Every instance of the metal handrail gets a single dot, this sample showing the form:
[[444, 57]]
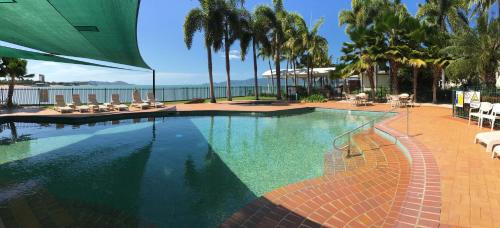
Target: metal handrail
[[350, 132]]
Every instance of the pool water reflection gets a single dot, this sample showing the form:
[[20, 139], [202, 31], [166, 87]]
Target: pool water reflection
[[168, 172]]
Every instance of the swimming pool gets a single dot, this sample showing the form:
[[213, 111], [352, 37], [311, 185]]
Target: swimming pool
[[179, 171]]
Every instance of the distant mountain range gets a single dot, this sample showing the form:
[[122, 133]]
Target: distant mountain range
[[248, 82]]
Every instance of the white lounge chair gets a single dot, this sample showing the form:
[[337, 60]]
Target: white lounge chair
[[351, 99], [496, 151], [116, 104], [77, 102], [484, 108], [61, 105], [491, 139], [137, 101], [362, 99], [153, 103], [95, 105], [492, 117]]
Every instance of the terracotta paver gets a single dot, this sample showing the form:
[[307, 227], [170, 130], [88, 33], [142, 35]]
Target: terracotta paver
[[368, 194]]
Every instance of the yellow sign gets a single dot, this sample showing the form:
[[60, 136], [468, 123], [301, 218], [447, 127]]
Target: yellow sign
[[459, 99]]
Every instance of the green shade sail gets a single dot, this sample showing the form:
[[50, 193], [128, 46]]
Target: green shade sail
[[95, 29], [22, 54]]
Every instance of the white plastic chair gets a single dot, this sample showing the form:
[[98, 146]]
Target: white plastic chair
[[484, 109], [492, 117]]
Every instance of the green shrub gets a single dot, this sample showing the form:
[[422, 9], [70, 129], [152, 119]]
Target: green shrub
[[315, 98]]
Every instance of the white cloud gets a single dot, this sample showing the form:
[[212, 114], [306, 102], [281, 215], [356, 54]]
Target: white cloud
[[233, 55]]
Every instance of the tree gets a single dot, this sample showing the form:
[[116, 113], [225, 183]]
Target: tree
[[295, 33], [12, 68], [395, 24], [476, 51], [482, 6], [416, 62], [206, 18], [231, 27], [272, 20], [315, 45], [444, 14], [252, 32]]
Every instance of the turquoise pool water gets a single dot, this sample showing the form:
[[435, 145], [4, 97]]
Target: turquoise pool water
[[169, 172]]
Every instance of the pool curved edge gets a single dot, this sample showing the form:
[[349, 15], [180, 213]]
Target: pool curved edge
[[416, 204], [163, 112], [423, 199]]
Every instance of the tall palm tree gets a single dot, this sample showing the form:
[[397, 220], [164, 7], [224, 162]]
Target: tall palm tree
[[477, 52], [295, 33], [416, 62], [272, 18], [395, 24], [13, 68], [231, 27], [252, 32], [315, 45], [206, 18]]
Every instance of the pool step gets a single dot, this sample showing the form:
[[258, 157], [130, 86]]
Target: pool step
[[22, 213], [39, 210], [337, 162]]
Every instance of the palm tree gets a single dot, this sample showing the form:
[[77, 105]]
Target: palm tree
[[272, 20], [295, 33], [482, 6], [315, 45], [395, 24], [231, 27], [252, 32], [206, 18], [416, 62], [13, 68], [476, 52], [444, 14], [437, 60]]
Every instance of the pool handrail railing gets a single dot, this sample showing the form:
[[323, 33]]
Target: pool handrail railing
[[350, 133]]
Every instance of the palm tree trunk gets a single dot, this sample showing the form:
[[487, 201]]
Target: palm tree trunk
[[394, 77], [435, 78], [278, 68], [272, 75], [286, 78], [295, 74], [369, 72], [228, 64], [210, 76], [256, 80], [308, 81], [415, 82], [10, 93]]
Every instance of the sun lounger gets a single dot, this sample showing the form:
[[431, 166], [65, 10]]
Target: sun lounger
[[137, 101], [496, 151], [116, 104], [61, 105], [491, 139], [484, 108], [153, 103], [78, 104], [492, 117], [95, 105]]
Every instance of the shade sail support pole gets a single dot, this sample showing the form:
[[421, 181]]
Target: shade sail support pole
[[154, 83]]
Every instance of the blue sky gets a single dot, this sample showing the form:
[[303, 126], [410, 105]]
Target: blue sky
[[160, 38]]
